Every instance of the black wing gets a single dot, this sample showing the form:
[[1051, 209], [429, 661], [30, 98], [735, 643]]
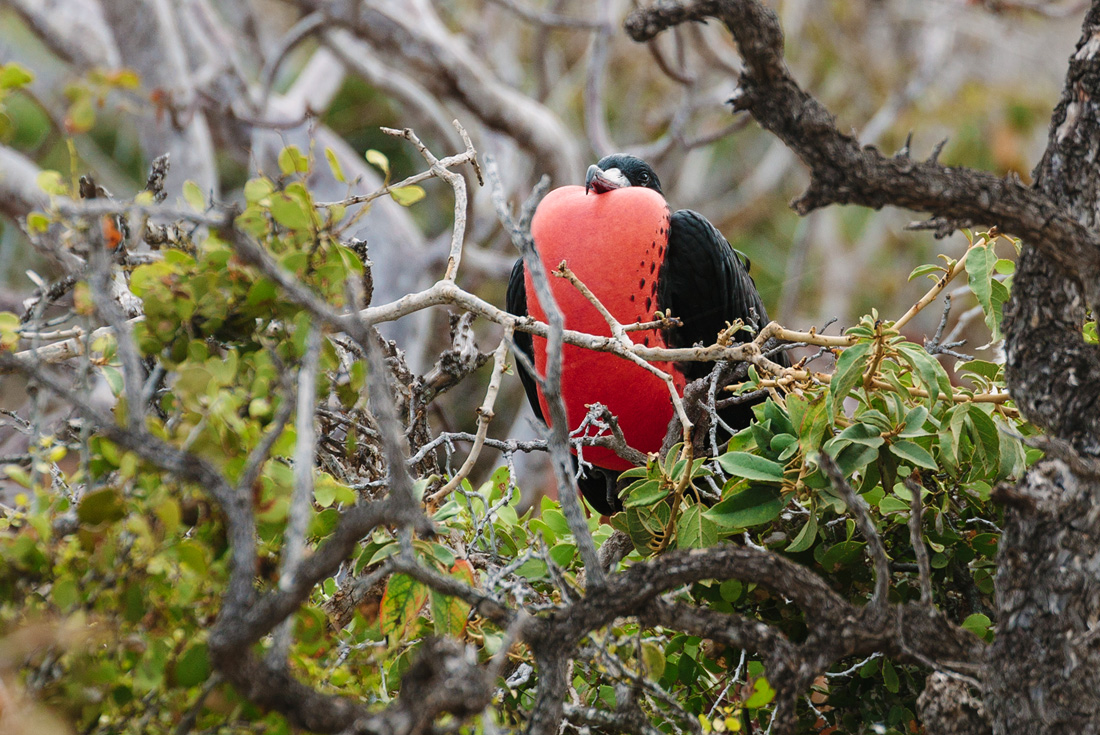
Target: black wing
[[706, 284], [516, 303]]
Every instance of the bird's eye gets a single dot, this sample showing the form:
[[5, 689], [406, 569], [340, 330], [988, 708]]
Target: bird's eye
[[643, 177]]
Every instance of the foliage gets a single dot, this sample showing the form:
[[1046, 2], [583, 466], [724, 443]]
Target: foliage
[[142, 557]]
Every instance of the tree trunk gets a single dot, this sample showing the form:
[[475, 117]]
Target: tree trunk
[[1044, 667]]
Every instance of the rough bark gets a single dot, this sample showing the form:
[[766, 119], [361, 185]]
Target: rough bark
[[1045, 663]]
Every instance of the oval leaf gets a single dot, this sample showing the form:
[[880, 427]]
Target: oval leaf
[[753, 506], [913, 453], [751, 467]]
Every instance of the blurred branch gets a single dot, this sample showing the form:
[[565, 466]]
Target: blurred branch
[[75, 30], [19, 190], [484, 416], [550, 20], [416, 39]]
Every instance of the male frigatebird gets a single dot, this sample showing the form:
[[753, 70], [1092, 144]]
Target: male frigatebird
[[618, 235]]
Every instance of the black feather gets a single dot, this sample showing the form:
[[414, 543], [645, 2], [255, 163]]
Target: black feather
[[515, 301], [707, 285]]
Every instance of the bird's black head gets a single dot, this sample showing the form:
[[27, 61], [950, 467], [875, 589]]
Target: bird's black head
[[619, 170]]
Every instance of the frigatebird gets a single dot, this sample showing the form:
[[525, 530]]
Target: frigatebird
[[619, 236]]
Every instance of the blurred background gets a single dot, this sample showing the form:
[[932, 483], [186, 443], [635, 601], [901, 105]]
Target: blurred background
[[545, 87]]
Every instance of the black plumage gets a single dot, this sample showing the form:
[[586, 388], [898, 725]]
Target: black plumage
[[702, 280], [515, 301]]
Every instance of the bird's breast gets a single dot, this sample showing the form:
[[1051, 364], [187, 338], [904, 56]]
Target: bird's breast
[[615, 243]]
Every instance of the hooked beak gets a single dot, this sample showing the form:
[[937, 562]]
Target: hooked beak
[[602, 181]]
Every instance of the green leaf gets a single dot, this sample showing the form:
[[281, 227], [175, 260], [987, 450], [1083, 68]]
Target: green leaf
[[998, 296], [977, 624], [841, 555], [931, 373], [848, 373], [914, 422], [809, 419], [101, 506], [402, 602], [913, 453], [378, 160], [193, 667], [257, 189], [653, 657], [750, 507], [65, 593], [979, 272], [289, 212], [1012, 456], [987, 441], [762, 694], [9, 330], [643, 526], [694, 530], [930, 269], [81, 115], [193, 195], [192, 555], [731, 590], [51, 182], [324, 494], [563, 554], [854, 457], [292, 161], [751, 467], [449, 614], [891, 504], [864, 434], [806, 537], [334, 165], [645, 492], [889, 676], [38, 222]]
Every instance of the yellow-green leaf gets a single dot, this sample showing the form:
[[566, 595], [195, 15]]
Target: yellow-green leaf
[[289, 212], [378, 160], [193, 195], [762, 694], [13, 76], [407, 196], [334, 164], [101, 506], [51, 182], [257, 189], [81, 115], [401, 605], [292, 161]]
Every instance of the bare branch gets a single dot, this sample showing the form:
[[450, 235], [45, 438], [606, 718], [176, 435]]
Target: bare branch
[[916, 536], [484, 416], [301, 501]]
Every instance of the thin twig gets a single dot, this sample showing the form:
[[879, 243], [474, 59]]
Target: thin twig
[[301, 501], [916, 536], [484, 416]]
